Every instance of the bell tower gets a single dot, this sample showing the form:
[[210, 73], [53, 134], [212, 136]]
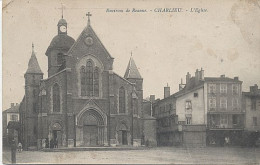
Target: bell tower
[[62, 26], [33, 76], [58, 48], [132, 74]]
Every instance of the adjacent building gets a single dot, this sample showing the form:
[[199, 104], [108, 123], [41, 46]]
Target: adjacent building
[[206, 109], [251, 105], [11, 114], [149, 123], [225, 115], [167, 121]]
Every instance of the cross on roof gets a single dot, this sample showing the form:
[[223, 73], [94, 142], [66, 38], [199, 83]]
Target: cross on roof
[[32, 47], [62, 11], [89, 15], [62, 7]]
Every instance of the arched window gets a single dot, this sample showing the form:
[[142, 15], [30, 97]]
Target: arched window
[[89, 77], [96, 82], [122, 100], [56, 98], [83, 81], [89, 72]]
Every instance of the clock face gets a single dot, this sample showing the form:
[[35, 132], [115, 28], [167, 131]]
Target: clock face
[[89, 41], [63, 29]]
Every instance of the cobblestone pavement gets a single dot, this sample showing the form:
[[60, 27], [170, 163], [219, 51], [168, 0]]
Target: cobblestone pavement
[[160, 155]]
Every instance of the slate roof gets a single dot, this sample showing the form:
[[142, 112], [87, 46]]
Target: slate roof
[[131, 70], [33, 65], [62, 41], [193, 85], [14, 109], [220, 79], [62, 21]]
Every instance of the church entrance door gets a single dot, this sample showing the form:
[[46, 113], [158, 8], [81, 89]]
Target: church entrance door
[[124, 137], [90, 135], [122, 134], [57, 136], [90, 130]]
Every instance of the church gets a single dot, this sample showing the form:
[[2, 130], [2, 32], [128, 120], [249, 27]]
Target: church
[[83, 102]]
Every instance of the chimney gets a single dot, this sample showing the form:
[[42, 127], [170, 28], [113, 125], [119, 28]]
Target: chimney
[[188, 78], [12, 105], [167, 91], [201, 74], [254, 88], [152, 98], [181, 85], [197, 75], [222, 76], [236, 78]]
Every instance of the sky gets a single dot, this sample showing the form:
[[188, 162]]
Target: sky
[[165, 45]]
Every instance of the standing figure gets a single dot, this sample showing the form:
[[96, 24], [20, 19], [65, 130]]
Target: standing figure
[[43, 143], [227, 141], [52, 144], [20, 146], [47, 143], [56, 143]]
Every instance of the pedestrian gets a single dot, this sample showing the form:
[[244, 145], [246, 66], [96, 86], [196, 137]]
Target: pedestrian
[[43, 143], [227, 141], [52, 144], [47, 143], [20, 146], [56, 143]]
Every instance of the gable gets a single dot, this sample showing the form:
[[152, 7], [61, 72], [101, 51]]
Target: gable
[[87, 44]]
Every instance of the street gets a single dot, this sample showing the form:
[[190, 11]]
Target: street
[[160, 155]]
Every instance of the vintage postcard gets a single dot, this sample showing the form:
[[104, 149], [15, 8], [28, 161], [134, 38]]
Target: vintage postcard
[[131, 82]]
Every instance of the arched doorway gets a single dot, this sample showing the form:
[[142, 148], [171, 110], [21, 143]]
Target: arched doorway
[[91, 128], [122, 135], [56, 133], [90, 131]]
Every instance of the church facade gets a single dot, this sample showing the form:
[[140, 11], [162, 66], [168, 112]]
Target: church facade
[[83, 102]]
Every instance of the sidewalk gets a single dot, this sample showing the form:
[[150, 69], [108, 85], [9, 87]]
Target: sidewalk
[[158, 155], [118, 148]]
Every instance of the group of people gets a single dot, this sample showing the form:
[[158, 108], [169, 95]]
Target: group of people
[[53, 143]]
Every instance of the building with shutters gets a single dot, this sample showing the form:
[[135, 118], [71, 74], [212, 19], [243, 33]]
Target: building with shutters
[[204, 110], [251, 105]]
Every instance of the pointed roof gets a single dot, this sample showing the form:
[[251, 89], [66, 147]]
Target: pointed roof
[[88, 31], [131, 70], [33, 65]]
